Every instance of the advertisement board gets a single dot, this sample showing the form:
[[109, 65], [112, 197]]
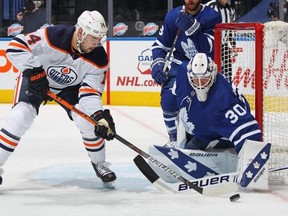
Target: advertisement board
[[129, 81]]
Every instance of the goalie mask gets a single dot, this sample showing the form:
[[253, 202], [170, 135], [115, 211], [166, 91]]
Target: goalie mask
[[93, 23], [201, 71]]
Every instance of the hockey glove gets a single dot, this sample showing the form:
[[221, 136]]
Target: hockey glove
[[187, 23], [38, 84], [106, 127], [157, 72]]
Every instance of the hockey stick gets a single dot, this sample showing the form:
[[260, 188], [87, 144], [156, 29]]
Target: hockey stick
[[211, 191], [218, 184], [170, 53], [278, 169]]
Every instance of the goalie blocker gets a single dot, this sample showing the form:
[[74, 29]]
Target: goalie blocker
[[251, 164]]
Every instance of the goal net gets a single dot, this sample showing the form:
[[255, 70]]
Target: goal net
[[254, 56]]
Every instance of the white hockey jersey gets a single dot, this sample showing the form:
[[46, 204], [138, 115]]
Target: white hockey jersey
[[52, 49]]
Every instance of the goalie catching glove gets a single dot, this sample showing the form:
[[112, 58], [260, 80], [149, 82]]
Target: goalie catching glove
[[106, 127]]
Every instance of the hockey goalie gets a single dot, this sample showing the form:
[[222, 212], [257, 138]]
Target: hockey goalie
[[220, 136]]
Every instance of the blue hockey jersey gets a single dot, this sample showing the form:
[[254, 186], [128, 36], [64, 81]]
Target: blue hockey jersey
[[186, 47], [225, 114]]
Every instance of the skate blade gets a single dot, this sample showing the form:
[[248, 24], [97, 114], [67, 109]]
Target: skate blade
[[109, 185]]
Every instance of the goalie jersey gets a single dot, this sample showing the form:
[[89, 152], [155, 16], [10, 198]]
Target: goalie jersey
[[51, 48], [186, 47], [224, 115]]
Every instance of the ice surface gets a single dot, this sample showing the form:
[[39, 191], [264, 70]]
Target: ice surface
[[50, 174]]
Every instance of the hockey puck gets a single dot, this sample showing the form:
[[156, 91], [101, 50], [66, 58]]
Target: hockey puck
[[235, 197]]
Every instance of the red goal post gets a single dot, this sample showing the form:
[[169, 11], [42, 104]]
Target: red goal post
[[255, 58]]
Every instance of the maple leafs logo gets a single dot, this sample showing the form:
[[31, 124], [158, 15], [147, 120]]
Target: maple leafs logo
[[191, 166], [189, 48], [174, 154], [256, 165], [264, 155], [249, 174], [189, 126]]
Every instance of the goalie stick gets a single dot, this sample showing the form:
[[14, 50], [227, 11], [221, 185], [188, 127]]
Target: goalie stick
[[164, 186], [221, 184], [200, 190]]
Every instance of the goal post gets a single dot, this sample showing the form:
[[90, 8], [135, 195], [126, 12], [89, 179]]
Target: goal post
[[254, 56]]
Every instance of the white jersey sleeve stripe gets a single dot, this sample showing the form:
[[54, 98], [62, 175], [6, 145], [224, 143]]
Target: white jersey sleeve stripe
[[235, 132]]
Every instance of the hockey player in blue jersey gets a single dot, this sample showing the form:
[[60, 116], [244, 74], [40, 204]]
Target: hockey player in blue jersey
[[217, 121], [193, 23], [214, 113]]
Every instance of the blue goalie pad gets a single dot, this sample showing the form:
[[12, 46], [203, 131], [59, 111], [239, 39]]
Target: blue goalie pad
[[194, 164]]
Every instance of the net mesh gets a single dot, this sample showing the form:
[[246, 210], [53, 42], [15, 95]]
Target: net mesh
[[238, 62]]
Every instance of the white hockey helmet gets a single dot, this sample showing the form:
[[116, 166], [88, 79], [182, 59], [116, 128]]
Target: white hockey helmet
[[93, 23], [201, 71]]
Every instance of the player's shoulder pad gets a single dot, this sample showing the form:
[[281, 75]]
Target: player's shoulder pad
[[212, 14], [182, 73], [60, 36], [172, 14], [220, 89], [222, 84], [97, 56]]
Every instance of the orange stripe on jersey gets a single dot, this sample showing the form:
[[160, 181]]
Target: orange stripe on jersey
[[95, 144], [89, 90], [8, 141], [19, 46]]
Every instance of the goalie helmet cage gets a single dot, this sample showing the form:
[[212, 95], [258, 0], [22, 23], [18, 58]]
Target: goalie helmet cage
[[254, 57]]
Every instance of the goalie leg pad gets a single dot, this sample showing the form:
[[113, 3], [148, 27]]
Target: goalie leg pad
[[253, 165], [194, 164]]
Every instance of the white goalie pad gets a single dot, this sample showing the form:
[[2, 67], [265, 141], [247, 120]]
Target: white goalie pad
[[193, 164], [253, 165]]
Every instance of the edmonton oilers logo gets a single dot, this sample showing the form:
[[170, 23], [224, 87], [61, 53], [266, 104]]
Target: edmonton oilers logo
[[62, 75]]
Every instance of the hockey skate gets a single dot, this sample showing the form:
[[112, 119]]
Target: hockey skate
[[103, 172]]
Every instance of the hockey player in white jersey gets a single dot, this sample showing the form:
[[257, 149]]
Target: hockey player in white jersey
[[71, 62], [191, 28]]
